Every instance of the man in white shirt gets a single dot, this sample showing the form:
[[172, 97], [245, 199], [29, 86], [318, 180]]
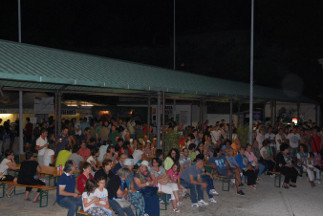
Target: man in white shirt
[[294, 141], [215, 134], [260, 137], [271, 137], [41, 145], [279, 139]]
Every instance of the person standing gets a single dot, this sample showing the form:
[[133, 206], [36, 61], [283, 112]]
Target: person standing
[[294, 141], [62, 140], [41, 146]]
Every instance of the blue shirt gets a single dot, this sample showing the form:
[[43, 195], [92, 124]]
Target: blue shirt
[[68, 182], [220, 163], [232, 161], [190, 171]]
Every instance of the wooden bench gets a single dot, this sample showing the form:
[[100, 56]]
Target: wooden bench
[[277, 182], [225, 181], [43, 191], [82, 212], [163, 196]]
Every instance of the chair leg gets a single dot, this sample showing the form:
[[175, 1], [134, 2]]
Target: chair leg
[[43, 194], [3, 186]]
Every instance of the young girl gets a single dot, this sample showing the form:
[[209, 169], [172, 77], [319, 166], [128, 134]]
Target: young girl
[[90, 201], [102, 193], [174, 174]]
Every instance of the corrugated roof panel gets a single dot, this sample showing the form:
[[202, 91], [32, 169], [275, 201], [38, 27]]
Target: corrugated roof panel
[[23, 62]]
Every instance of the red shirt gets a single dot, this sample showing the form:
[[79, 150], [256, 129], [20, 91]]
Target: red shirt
[[84, 153], [81, 181], [316, 144]]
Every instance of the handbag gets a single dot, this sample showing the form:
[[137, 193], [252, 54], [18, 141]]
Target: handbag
[[122, 202], [164, 179]]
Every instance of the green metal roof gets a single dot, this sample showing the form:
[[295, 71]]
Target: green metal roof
[[29, 66]]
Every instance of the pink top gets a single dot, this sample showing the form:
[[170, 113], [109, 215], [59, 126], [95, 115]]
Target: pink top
[[251, 157], [175, 176]]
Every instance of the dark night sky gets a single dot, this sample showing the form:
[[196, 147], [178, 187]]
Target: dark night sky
[[213, 37]]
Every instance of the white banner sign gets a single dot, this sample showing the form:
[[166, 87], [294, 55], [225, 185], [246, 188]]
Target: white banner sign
[[44, 105]]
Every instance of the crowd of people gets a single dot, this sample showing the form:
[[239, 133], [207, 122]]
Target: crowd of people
[[122, 167]]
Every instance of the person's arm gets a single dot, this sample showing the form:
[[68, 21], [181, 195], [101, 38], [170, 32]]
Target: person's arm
[[301, 161], [12, 165], [193, 181], [94, 200], [141, 185], [38, 147], [38, 169], [62, 192], [52, 159]]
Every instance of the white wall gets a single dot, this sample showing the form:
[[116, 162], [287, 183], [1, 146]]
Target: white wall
[[307, 111]]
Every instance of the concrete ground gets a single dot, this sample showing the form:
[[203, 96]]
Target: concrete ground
[[267, 200]]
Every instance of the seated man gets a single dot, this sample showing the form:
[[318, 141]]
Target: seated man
[[222, 167], [187, 180], [66, 195]]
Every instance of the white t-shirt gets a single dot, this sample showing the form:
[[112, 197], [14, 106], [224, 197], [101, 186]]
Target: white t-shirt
[[89, 199], [270, 137], [102, 195], [278, 137], [215, 135], [4, 167], [48, 156], [260, 139], [102, 151], [41, 142], [78, 129], [293, 139]]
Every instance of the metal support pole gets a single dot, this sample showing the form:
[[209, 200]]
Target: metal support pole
[[230, 119], [174, 41], [174, 111], [239, 113], [274, 120], [317, 116], [272, 112], [298, 107], [148, 117], [251, 73], [163, 127], [158, 118], [59, 112], [21, 141], [56, 113], [201, 111], [19, 22]]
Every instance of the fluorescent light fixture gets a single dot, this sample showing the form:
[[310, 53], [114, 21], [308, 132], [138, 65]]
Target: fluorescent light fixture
[[72, 105], [5, 114], [87, 105]]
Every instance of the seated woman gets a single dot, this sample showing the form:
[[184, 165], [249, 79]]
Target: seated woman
[[8, 163], [164, 182], [305, 162], [145, 184], [267, 156], [111, 155], [105, 170], [247, 169], [253, 160], [285, 166], [93, 160], [82, 179], [134, 197], [172, 157], [117, 188], [27, 173]]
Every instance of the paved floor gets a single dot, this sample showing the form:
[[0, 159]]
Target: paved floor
[[267, 200]]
